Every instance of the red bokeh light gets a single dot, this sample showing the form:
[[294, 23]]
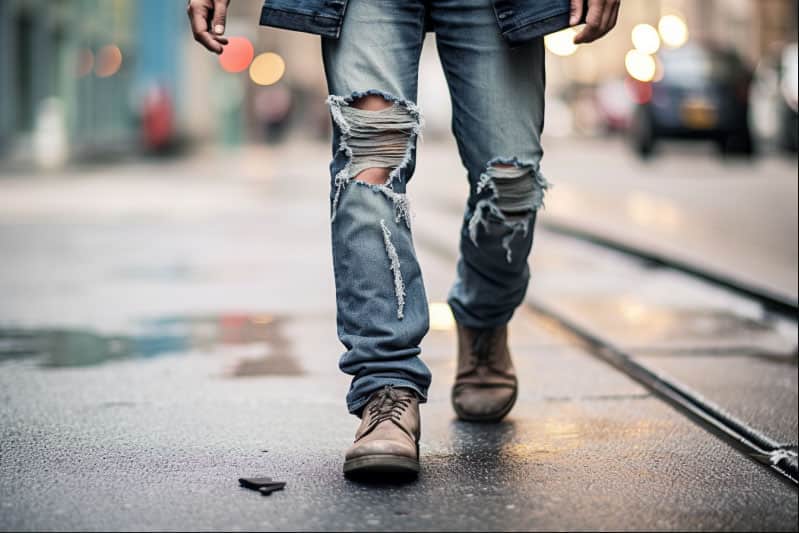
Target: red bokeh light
[[109, 59], [640, 91], [237, 54], [84, 63]]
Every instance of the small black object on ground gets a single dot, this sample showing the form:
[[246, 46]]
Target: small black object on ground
[[264, 485]]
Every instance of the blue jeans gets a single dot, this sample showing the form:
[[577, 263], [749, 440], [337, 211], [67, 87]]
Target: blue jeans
[[498, 112]]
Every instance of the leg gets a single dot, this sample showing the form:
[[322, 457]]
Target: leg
[[498, 110], [497, 96], [382, 308]]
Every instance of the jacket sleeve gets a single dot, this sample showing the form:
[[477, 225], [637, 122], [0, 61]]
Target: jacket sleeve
[[322, 17]]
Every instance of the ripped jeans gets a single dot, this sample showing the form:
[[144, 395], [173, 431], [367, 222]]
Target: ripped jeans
[[497, 97]]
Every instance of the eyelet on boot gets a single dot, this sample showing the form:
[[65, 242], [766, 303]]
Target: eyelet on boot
[[387, 441]]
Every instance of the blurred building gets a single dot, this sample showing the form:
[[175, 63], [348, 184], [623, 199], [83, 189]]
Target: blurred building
[[74, 74], [103, 78], [108, 77], [748, 26]]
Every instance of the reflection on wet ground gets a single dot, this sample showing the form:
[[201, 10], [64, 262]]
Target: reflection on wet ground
[[756, 352], [484, 454], [157, 337], [641, 320], [523, 440], [620, 294]]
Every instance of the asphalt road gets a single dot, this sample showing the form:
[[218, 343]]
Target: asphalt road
[[168, 327]]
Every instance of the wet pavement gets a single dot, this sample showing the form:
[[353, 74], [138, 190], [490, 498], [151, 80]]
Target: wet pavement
[[719, 345], [734, 216], [169, 328]]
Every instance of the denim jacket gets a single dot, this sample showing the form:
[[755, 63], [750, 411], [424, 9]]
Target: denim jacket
[[519, 20]]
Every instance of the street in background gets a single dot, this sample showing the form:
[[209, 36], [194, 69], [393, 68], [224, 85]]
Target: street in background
[[700, 92]]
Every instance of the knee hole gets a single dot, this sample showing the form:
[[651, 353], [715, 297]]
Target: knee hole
[[371, 102], [373, 175]]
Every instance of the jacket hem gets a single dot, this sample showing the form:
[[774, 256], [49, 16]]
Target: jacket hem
[[538, 28], [304, 22]]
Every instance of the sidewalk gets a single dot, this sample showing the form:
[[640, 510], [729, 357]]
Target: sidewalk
[[203, 288], [738, 218]]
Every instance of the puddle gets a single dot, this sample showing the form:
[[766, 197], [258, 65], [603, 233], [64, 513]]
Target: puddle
[[59, 348], [477, 451]]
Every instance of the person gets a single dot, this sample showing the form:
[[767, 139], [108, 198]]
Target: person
[[493, 57]]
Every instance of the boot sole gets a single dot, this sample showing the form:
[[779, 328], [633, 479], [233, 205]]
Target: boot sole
[[381, 464], [489, 418]]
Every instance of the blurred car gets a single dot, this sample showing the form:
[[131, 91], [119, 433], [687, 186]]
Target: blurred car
[[700, 92], [774, 98]]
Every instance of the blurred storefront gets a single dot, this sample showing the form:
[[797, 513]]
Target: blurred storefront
[[65, 72], [104, 78], [88, 77], [109, 77]]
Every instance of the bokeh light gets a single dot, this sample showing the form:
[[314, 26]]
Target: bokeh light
[[441, 318], [109, 60], [561, 43], [659, 71], [640, 66], [267, 68], [646, 38], [237, 54], [673, 30], [84, 63]]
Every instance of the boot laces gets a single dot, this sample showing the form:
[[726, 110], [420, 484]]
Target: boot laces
[[389, 404], [483, 347]]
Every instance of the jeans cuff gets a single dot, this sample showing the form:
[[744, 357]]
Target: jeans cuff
[[356, 406], [468, 320]]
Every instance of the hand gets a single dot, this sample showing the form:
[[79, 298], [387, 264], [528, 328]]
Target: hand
[[207, 18], [601, 18]]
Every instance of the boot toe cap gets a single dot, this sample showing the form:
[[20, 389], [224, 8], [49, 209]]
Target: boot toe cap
[[382, 447], [483, 402]]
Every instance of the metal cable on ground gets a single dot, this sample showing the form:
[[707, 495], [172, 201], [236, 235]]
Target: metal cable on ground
[[770, 300], [780, 458]]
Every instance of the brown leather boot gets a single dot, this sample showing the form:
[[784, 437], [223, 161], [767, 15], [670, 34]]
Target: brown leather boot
[[387, 440], [485, 384]]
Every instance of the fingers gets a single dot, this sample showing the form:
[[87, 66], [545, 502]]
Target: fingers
[[602, 16], [204, 37], [615, 16], [199, 12], [220, 14], [576, 12], [593, 21], [609, 18]]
